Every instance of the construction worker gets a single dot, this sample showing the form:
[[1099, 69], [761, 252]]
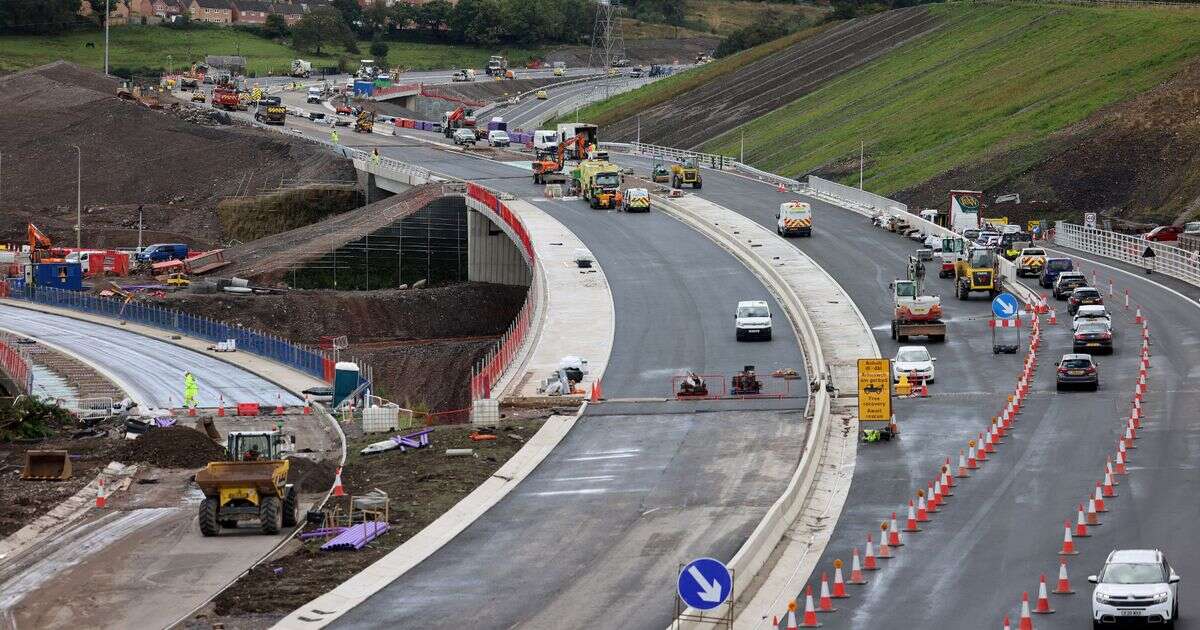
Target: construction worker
[[333, 136], [190, 390], [251, 455], [375, 158]]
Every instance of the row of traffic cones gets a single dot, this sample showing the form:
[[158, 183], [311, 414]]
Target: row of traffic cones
[[1087, 515]]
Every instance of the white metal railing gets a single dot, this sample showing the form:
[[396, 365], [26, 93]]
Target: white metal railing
[[711, 160], [856, 196], [1168, 259]]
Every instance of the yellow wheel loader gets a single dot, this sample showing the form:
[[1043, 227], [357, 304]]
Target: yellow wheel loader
[[250, 486]]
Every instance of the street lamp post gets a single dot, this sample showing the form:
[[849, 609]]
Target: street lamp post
[[78, 197], [107, 15]]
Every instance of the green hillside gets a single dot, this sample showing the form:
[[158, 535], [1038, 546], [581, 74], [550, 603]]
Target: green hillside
[[992, 78]]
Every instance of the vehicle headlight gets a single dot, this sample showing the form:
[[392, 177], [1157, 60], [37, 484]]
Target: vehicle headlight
[[1161, 597], [1101, 598]]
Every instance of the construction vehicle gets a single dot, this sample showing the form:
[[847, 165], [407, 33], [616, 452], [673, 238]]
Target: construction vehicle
[[364, 122], [46, 466], [548, 169], [464, 75], [599, 182], [497, 65], [301, 69], [198, 96], [953, 250], [692, 386], [460, 118], [225, 98], [979, 270], [916, 314], [41, 248], [636, 200], [250, 486], [572, 131], [271, 111], [659, 173], [746, 383], [1030, 261], [685, 171], [794, 218]]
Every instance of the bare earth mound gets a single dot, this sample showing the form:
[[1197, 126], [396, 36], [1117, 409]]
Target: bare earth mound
[[130, 155]]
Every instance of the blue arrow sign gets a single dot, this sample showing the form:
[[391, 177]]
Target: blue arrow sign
[[1005, 306], [704, 583]]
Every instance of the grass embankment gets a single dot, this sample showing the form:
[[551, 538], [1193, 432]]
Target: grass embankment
[[992, 78], [620, 106], [145, 49]]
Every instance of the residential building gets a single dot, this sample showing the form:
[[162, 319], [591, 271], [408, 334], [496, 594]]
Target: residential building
[[251, 11], [215, 11], [168, 8], [291, 12]]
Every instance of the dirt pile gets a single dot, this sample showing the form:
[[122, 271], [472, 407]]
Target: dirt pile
[[310, 476], [24, 501], [131, 155], [703, 113], [1136, 161], [171, 447]]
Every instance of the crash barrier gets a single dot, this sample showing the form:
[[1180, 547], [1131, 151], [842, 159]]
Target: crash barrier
[[1168, 259], [488, 371], [856, 196], [306, 359], [711, 160], [14, 361], [94, 408]]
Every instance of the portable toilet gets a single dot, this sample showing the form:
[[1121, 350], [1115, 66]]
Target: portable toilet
[[59, 275], [345, 380]]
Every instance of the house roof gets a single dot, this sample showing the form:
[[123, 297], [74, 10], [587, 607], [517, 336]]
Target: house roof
[[213, 4], [286, 9], [252, 5]]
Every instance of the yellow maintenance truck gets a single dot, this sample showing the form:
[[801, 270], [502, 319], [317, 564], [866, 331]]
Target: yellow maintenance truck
[[686, 171], [252, 485], [979, 270], [599, 182]]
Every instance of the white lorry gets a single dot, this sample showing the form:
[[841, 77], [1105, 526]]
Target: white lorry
[[568, 131], [301, 69]]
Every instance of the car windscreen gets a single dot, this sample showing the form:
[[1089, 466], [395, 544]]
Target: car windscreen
[[1034, 252], [1076, 364], [1130, 573], [753, 311], [1092, 329], [608, 180], [1058, 264], [982, 258], [1086, 293], [912, 356]]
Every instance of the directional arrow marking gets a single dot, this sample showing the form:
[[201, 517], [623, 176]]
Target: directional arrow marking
[[1006, 308], [709, 592]]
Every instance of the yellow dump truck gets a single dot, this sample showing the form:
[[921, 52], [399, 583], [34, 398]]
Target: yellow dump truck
[[599, 182], [978, 271], [687, 172], [250, 486]]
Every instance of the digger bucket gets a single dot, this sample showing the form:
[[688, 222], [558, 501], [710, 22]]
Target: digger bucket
[[46, 466], [210, 428]]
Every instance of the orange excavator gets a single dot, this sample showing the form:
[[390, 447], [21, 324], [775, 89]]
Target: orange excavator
[[549, 171], [41, 248]]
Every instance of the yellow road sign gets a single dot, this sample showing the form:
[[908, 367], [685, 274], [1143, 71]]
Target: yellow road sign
[[1033, 224], [997, 221], [874, 390]]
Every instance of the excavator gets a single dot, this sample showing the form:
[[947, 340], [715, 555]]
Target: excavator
[[41, 248], [549, 171]]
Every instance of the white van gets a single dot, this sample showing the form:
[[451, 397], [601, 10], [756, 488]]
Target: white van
[[497, 138], [314, 95], [752, 320], [794, 219], [545, 142]]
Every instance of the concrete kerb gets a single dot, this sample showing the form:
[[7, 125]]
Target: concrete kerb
[[328, 607], [747, 245]]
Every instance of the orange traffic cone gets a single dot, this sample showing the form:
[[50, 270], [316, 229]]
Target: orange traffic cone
[[338, 490], [1099, 499], [1007, 623], [825, 604], [963, 471], [894, 533], [885, 548], [101, 495], [1053, 317], [791, 616], [1081, 530], [911, 524], [947, 479], [1137, 319], [869, 563], [220, 406], [307, 404], [1093, 519], [192, 410], [278, 404], [972, 460], [1026, 620], [1064, 585], [1108, 486], [1120, 467], [1043, 601], [922, 508], [810, 613], [839, 583], [856, 572], [1068, 545], [782, 189]]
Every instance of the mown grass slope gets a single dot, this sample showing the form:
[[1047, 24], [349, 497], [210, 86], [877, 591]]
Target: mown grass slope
[[146, 48], [992, 78]]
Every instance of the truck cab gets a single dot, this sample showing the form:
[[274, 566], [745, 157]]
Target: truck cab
[[752, 320], [953, 249], [545, 142], [599, 182], [794, 218]]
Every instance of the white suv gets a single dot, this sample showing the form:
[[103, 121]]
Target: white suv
[[497, 138], [1138, 584], [752, 320]]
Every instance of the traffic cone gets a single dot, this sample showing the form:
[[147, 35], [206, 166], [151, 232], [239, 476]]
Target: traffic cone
[[856, 571], [791, 616], [1093, 518], [810, 612], [1064, 585], [910, 525], [1068, 546], [885, 550], [1108, 466], [935, 496], [839, 583], [1007, 623], [1120, 468], [1081, 530], [1098, 497], [894, 533], [825, 603], [278, 404], [192, 410], [924, 390], [997, 431], [922, 507], [947, 481], [220, 406], [338, 490], [1108, 486], [1120, 449], [972, 460], [1129, 437], [869, 563], [782, 189], [963, 471], [986, 440], [1137, 318], [1043, 601], [307, 404], [1053, 317], [1026, 622], [101, 495]]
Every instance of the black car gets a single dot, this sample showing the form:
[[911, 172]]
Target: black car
[[1093, 337], [1067, 282], [1083, 296], [1076, 370]]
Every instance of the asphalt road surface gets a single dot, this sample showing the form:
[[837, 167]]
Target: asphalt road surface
[[150, 370]]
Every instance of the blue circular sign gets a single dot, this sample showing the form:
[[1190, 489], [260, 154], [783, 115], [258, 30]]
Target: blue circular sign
[[1006, 306], [705, 583]]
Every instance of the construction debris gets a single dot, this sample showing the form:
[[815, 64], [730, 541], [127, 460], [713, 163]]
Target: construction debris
[[171, 447]]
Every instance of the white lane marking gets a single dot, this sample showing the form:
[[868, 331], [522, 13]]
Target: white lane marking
[[551, 493], [592, 478], [1128, 273], [598, 457]]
